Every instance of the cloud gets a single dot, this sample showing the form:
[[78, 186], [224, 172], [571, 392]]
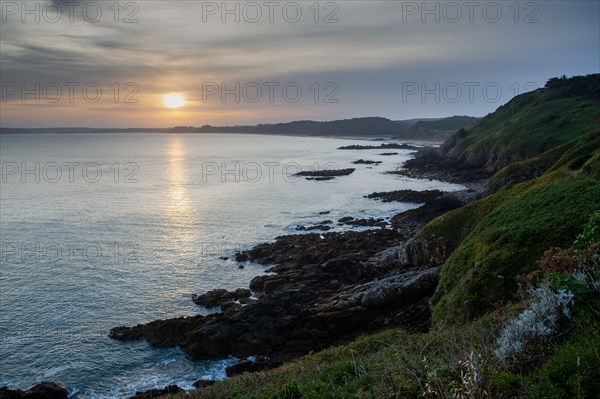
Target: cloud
[[372, 49]]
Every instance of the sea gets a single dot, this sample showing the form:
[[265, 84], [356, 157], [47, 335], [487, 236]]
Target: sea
[[105, 230]]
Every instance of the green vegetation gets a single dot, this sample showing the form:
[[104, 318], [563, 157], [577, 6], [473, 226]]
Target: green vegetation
[[517, 311], [483, 272], [530, 125]]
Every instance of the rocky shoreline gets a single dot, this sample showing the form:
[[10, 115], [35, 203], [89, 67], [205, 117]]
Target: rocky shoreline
[[324, 288]]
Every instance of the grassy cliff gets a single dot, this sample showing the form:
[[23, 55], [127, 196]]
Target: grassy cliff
[[530, 125]]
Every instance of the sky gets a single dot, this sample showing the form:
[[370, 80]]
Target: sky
[[111, 63]]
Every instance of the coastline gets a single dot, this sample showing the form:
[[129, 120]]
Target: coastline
[[327, 298], [322, 289]]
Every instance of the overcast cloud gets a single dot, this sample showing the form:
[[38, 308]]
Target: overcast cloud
[[368, 61]]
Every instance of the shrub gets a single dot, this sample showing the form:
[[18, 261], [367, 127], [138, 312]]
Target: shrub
[[535, 324]]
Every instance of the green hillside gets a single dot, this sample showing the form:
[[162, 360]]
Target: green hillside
[[530, 124]]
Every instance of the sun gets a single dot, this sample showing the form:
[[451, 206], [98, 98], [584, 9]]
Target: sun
[[173, 100]]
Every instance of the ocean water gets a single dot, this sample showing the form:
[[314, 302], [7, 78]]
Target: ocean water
[[102, 230]]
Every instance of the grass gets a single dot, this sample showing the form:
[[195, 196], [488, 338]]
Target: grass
[[483, 273], [527, 126], [390, 364]]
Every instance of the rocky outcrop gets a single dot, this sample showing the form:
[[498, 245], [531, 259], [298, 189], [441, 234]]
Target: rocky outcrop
[[43, 390], [395, 146], [412, 220], [295, 311], [431, 163], [406, 195], [322, 226], [419, 252], [366, 162], [409, 286], [371, 222], [160, 333], [326, 172]]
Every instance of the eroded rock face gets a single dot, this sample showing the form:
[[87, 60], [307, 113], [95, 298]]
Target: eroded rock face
[[425, 253], [401, 288], [43, 390]]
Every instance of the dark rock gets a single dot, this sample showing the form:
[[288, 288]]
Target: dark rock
[[248, 301], [292, 317], [400, 146], [406, 195], [320, 227], [249, 366], [426, 253], [410, 221], [219, 296], [160, 333], [365, 222], [431, 163], [325, 213], [231, 307], [43, 390], [326, 172], [322, 178], [366, 162], [241, 257], [258, 283], [388, 153], [156, 393]]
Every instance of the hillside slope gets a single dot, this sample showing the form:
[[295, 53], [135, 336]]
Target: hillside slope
[[530, 124]]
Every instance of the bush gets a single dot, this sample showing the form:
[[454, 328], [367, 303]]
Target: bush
[[536, 324]]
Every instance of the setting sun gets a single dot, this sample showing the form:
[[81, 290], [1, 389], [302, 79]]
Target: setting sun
[[173, 100]]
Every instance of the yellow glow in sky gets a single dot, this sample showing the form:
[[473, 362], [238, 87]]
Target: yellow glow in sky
[[173, 100]]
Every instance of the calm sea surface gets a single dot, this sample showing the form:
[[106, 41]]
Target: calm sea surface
[[102, 230]]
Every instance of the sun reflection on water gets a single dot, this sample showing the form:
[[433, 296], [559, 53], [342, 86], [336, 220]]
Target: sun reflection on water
[[181, 212]]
